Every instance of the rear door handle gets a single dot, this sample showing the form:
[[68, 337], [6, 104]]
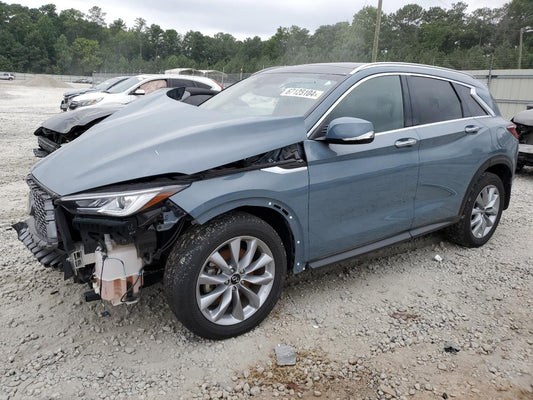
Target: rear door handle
[[405, 142], [472, 129]]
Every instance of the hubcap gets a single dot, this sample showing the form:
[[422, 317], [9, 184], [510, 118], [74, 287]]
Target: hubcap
[[485, 211], [235, 281]]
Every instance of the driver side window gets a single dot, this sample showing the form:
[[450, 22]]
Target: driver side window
[[378, 100]]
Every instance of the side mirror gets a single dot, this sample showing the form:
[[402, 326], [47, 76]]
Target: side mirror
[[139, 92], [348, 130]]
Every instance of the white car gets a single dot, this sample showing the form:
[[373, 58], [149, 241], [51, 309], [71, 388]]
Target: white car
[[129, 90], [7, 76]]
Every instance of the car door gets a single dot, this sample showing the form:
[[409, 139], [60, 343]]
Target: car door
[[453, 143], [360, 193]]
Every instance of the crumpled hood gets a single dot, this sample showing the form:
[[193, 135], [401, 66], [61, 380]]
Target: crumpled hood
[[64, 122], [158, 135]]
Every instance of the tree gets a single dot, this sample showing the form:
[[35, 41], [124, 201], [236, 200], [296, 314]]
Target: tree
[[87, 54], [96, 15], [63, 54], [117, 26], [155, 37]]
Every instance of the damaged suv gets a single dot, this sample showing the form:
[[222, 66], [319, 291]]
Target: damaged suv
[[293, 168]]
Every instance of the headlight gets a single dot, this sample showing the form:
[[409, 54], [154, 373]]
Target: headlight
[[83, 103], [119, 204]]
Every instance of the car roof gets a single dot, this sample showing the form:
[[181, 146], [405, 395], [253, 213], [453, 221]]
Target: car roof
[[204, 79], [349, 68]]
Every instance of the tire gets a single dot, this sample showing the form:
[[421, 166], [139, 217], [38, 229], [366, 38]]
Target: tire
[[204, 293], [481, 213]]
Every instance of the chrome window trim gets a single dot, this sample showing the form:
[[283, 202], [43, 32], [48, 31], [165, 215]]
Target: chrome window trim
[[480, 101], [359, 68], [473, 93], [431, 124]]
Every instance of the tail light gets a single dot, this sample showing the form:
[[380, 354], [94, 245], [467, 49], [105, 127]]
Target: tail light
[[512, 130], [219, 84]]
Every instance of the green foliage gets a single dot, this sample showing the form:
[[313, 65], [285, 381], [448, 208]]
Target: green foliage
[[87, 55], [43, 40], [63, 54]]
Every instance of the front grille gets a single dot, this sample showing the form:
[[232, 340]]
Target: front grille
[[42, 210]]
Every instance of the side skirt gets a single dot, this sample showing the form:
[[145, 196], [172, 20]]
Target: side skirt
[[367, 248]]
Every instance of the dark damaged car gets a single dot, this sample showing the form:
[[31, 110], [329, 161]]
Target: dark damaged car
[[524, 127], [63, 128], [293, 168]]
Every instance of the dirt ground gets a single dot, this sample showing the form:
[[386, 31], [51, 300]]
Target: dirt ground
[[371, 328]]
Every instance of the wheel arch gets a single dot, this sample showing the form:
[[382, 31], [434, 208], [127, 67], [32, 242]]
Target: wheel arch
[[278, 216], [500, 166], [506, 175]]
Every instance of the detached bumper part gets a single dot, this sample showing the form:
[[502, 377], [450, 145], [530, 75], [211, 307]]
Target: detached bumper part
[[47, 144], [48, 256]]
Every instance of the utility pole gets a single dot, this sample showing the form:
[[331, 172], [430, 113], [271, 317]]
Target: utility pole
[[522, 30], [376, 33]]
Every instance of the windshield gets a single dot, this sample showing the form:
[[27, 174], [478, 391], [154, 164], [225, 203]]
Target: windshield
[[108, 83], [124, 85], [274, 94]]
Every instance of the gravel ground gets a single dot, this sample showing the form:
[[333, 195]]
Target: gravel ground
[[371, 328]]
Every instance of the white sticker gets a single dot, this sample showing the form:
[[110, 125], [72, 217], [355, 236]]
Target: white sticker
[[302, 92]]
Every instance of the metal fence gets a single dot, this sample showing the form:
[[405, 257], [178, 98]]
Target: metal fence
[[22, 76]]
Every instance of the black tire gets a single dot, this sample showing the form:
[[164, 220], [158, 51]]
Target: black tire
[[462, 232], [189, 258]]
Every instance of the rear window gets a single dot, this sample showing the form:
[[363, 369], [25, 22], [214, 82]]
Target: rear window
[[181, 83], [471, 107], [433, 100], [202, 85]]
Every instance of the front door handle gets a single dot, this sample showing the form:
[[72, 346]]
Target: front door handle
[[472, 129], [405, 142]]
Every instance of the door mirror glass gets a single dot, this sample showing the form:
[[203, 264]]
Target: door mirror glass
[[348, 130]]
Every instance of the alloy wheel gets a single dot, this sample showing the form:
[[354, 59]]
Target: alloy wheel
[[235, 281]]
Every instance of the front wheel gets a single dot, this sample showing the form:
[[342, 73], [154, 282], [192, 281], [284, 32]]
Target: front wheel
[[481, 214], [223, 278]]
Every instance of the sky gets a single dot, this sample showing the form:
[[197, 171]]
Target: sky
[[242, 18]]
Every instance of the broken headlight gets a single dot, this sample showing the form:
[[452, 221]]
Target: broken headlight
[[118, 204]]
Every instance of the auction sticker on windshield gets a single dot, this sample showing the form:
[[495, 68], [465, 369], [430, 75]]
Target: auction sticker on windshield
[[301, 92]]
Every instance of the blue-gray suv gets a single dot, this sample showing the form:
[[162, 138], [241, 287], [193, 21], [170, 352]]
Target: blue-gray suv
[[293, 168]]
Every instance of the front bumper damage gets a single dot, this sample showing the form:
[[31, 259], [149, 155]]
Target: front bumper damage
[[48, 256], [115, 256]]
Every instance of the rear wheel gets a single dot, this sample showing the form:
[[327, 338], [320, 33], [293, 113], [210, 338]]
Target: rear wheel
[[223, 278], [481, 214]]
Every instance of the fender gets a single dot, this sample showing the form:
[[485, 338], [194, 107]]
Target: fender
[[287, 196], [281, 209]]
